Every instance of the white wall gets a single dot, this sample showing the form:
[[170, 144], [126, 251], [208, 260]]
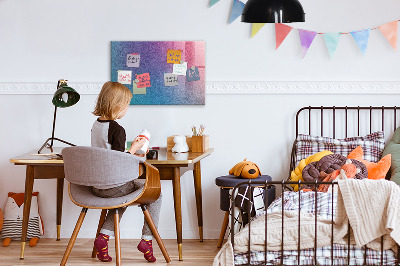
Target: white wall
[[42, 41]]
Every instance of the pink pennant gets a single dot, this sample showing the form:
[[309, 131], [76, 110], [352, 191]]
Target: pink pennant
[[306, 39], [281, 31], [389, 30]]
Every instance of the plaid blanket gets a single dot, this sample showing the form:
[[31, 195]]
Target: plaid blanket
[[323, 205]]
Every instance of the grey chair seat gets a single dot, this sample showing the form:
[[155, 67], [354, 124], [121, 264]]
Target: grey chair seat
[[83, 196]]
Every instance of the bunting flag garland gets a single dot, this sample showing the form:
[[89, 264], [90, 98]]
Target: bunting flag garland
[[281, 31], [332, 41], [361, 37], [389, 30], [237, 9], [306, 39], [213, 2], [256, 27]]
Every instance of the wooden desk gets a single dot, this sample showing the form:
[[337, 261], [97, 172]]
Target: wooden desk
[[168, 164]]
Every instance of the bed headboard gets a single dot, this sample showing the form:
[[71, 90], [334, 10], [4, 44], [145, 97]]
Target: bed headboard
[[344, 121]]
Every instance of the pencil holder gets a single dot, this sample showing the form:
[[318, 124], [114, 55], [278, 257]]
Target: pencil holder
[[200, 143]]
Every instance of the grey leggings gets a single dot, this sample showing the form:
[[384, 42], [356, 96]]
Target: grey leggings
[[154, 208]]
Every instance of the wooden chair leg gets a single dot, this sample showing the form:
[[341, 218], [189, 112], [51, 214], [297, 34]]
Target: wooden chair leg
[[101, 222], [223, 229], [154, 230], [117, 238], [73, 237]]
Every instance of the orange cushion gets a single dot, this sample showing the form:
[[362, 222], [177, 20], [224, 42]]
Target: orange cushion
[[375, 170]]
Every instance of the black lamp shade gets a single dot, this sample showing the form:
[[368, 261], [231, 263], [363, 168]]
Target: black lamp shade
[[273, 11], [65, 96]]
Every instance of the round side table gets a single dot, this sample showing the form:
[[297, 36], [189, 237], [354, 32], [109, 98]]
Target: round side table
[[228, 182]]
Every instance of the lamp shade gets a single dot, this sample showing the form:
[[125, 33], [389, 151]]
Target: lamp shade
[[65, 96], [273, 11]]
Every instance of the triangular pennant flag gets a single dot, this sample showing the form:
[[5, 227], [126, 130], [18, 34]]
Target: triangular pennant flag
[[306, 39], [332, 41], [256, 27], [213, 2], [389, 30], [237, 9], [281, 31], [361, 37]]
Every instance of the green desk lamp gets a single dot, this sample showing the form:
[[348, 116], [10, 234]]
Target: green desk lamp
[[65, 96]]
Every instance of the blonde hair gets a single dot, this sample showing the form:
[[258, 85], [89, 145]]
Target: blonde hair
[[112, 99]]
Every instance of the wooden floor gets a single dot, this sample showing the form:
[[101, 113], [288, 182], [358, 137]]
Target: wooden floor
[[50, 252]]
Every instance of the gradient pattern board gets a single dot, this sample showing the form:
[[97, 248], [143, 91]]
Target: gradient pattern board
[[161, 73]]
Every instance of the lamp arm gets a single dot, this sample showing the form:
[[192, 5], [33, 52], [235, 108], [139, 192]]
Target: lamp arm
[[54, 126]]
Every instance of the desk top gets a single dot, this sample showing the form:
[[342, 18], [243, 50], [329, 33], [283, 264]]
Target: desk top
[[164, 157]]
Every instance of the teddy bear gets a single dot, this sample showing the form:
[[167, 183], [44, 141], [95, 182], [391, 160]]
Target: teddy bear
[[245, 169], [180, 144], [13, 215]]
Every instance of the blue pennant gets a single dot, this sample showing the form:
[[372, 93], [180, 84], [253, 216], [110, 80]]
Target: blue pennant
[[361, 38], [237, 9]]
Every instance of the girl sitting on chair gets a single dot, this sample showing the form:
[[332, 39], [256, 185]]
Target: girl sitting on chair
[[112, 104]]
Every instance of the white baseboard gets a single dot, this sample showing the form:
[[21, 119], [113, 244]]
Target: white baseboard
[[136, 233]]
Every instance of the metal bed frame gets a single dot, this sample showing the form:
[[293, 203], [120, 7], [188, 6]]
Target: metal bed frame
[[283, 184]]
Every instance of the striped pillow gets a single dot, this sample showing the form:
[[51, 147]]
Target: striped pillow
[[372, 145]]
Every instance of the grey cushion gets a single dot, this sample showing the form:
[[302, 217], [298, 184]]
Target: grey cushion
[[83, 195], [393, 148], [99, 167]]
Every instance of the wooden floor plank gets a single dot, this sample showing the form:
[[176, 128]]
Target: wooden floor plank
[[49, 252]]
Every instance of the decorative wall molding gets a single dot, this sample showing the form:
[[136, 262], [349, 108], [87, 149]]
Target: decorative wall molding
[[233, 87]]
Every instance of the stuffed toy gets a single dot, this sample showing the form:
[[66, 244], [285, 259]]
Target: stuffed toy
[[13, 215], [245, 169], [296, 174], [375, 170], [180, 144]]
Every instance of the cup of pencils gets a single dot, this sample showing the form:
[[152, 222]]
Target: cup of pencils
[[199, 140]]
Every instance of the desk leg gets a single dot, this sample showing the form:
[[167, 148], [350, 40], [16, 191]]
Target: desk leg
[[60, 190], [176, 182], [27, 206], [199, 204]]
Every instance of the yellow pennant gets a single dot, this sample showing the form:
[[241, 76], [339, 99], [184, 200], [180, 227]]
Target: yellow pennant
[[256, 27]]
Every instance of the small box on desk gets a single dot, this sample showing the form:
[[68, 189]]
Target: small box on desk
[[200, 143]]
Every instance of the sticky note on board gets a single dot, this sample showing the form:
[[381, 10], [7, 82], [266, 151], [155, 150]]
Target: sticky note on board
[[192, 74], [144, 80], [170, 79], [125, 76], [133, 60], [174, 56], [136, 90], [180, 69]]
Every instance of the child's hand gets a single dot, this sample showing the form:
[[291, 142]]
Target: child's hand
[[137, 144], [142, 155]]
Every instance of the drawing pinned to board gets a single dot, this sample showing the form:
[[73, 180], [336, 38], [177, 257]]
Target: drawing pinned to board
[[192, 74], [154, 62], [180, 69], [133, 60], [170, 79], [124, 76], [143, 80], [174, 56]]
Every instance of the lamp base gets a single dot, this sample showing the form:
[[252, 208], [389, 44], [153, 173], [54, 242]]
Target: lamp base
[[50, 146]]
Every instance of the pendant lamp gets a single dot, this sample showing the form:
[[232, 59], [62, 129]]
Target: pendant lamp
[[272, 11], [64, 96]]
